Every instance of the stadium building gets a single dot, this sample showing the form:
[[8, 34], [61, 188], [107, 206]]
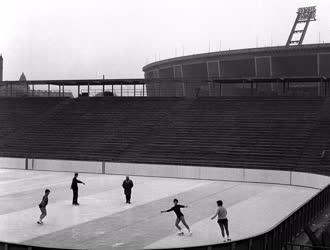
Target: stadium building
[[196, 71], [196, 75]]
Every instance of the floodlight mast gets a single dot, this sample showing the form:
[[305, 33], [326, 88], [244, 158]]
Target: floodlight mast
[[304, 15]]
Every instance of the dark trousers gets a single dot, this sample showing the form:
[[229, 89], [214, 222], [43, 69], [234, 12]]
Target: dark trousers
[[223, 223], [75, 196], [128, 196]]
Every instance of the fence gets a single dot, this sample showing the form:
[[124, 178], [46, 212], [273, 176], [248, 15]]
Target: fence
[[171, 87]]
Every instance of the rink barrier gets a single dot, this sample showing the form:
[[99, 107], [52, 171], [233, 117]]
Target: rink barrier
[[274, 239], [172, 171]]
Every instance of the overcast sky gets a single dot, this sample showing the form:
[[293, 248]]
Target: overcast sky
[[74, 39]]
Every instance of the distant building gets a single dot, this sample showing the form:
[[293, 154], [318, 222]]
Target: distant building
[[22, 77]]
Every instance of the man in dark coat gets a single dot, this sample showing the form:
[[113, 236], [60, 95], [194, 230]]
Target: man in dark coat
[[74, 187], [128, 185]]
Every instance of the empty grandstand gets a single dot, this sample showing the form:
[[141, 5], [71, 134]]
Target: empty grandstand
[[286, 133]]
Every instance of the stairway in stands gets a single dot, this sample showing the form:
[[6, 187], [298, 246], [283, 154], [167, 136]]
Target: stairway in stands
[[319, 141], [250, 132], [245, 132], [89, 129], [17, 114]]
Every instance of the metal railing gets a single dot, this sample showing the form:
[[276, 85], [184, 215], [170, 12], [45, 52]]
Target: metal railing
[[293, 246]]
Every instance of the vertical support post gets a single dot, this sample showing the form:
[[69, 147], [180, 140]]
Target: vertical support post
[[318, 64], [78, 90], [88, 89], [210, 91], [183, 89], [143, 86], [103, 89], [27, 89], [112, 89], [59, 90], [32, 89], [103, 167], [48, 92], [121, 89], [26, 163], [11, 90], [63, 89]]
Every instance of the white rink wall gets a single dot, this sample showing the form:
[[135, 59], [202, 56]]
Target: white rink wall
[[67, 166], [15, 163], [171, 171]]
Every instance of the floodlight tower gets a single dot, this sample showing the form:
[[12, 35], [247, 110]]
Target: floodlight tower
[[304, 16]]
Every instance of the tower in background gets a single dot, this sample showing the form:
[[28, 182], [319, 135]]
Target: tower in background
[[298, 31], [1, 68]]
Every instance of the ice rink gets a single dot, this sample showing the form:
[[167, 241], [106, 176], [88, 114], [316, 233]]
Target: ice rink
[[104, 221]]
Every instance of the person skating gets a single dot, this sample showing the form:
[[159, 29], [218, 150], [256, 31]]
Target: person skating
[[128, 185], [42, 206], [222, 220], [74, 187], [179, 216]]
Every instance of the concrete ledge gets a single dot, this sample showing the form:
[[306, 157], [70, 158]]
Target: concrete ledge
[[15, 163], [267, 176], [310, 180], [142, 169], [225, 174], [172, 171], [67, 166]]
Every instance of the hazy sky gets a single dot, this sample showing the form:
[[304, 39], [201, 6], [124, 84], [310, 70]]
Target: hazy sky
[[73, 39]]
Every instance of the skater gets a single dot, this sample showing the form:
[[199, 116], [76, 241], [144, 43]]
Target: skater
[[128, 185], [222, 220], [74, 187], [42, 206], [180, 217]]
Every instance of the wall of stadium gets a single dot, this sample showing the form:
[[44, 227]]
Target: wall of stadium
[[194, 70]]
